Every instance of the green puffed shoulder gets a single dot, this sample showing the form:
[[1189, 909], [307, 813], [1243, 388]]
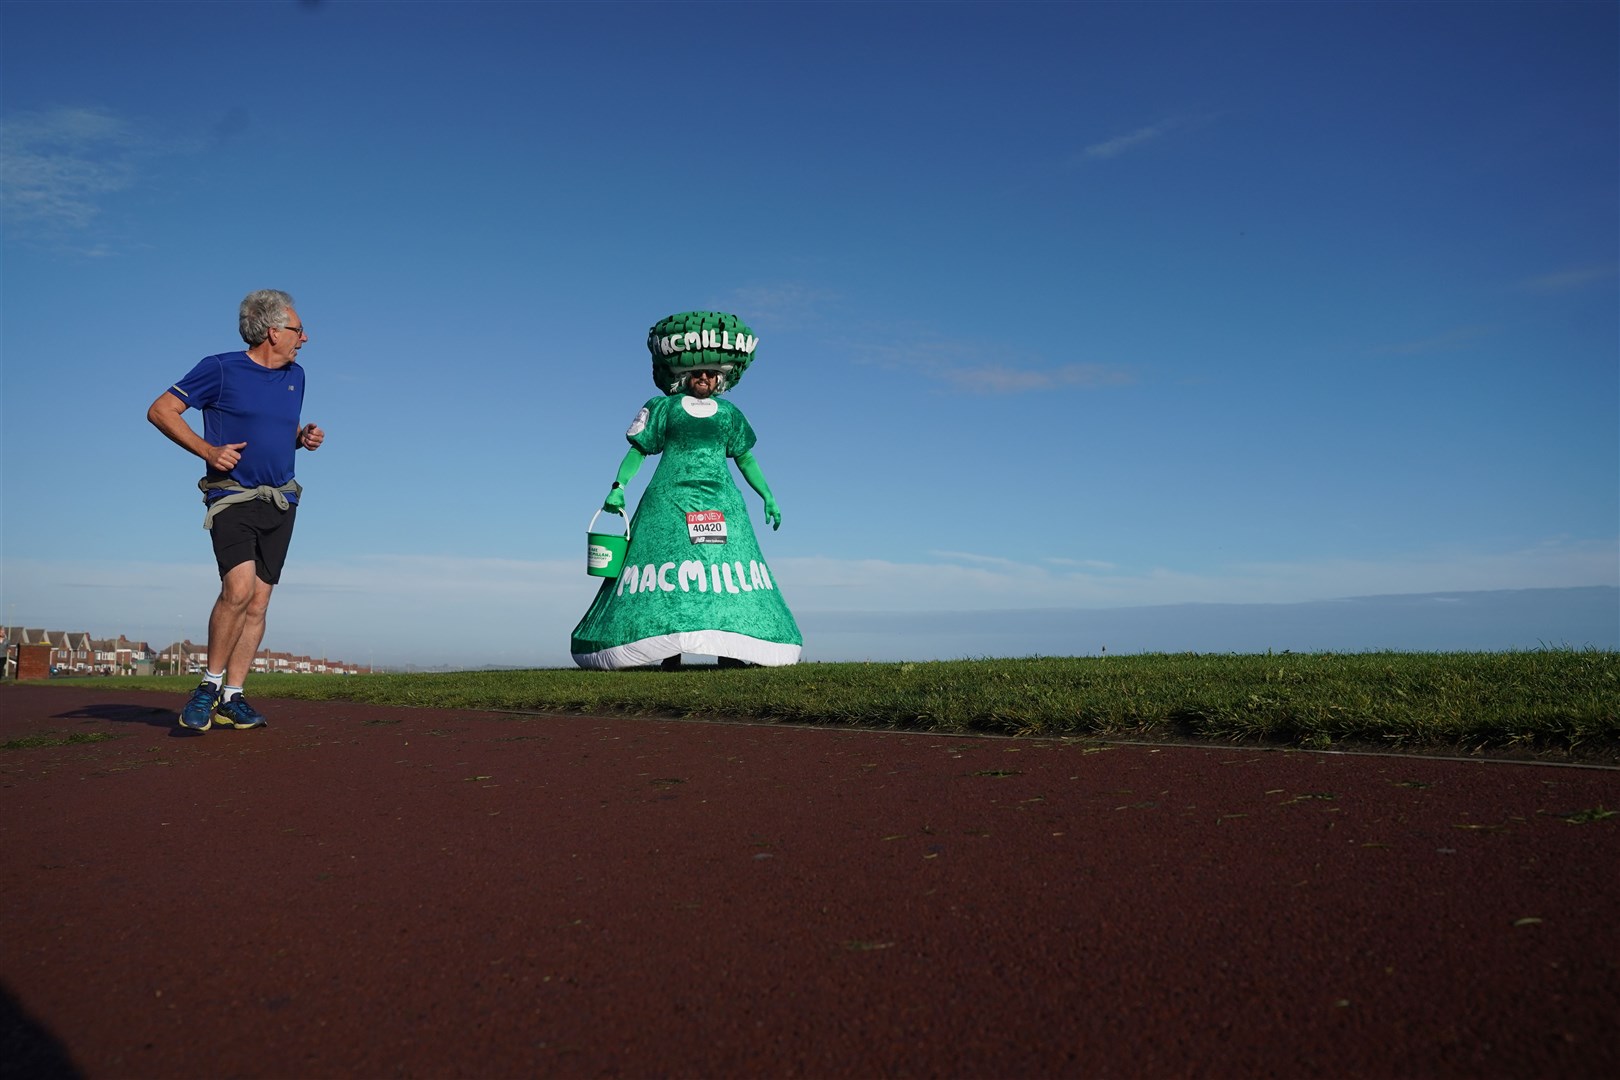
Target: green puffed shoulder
[[699, 339]]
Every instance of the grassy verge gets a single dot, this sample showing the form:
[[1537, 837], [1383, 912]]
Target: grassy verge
[[1548, 703]]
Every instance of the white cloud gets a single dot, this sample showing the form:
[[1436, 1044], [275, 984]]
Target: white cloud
[[1131, 141], [983, 367], [1085, 564], [785, 306], [1569, 280], [1118, 145], [59, 165], [999, 379], [1462, 337]]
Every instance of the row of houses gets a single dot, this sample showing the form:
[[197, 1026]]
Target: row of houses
[[73, 653]]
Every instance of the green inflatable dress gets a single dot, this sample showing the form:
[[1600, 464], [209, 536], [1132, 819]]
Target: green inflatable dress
[[694, 578]]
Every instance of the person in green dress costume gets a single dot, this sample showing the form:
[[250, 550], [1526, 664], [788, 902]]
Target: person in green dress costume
[[694, 578]]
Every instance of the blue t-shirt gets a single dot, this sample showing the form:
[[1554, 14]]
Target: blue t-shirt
[[246, 402]]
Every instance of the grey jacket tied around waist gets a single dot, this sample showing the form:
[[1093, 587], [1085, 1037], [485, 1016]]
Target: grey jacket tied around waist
[[240, 494]]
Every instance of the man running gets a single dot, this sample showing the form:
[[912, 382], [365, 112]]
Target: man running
[[251, 403]]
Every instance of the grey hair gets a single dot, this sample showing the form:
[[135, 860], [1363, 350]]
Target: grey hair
[[262, 310]]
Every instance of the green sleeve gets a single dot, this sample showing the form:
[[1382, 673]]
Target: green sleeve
[[749, 467], [627, 469], [647, 430], [629, 466]]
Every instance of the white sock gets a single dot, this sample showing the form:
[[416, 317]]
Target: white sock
[[216, 681], [231, 692]]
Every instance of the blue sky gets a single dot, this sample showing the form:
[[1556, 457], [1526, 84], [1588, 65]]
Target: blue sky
[[1060, 306]]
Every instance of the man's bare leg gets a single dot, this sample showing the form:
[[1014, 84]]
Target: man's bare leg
[[236, 626]]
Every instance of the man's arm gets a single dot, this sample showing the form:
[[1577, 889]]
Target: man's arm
[[165, 415]]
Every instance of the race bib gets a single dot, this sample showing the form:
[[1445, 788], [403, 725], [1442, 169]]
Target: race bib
[[706, 527]]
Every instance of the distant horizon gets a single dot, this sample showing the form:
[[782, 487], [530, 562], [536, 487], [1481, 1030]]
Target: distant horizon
[[1483, 620]]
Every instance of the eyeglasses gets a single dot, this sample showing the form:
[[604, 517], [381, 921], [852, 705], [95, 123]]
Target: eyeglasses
[[299, 330]]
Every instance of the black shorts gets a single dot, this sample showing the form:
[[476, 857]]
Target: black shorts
[[255, 532]]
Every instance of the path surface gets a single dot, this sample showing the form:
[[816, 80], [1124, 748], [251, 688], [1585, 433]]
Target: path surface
[[378, 892]]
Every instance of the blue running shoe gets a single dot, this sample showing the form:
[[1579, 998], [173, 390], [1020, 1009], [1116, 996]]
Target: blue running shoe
[[237, 713], [199, 710]]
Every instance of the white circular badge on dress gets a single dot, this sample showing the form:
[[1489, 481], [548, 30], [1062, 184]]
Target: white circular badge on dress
[[700, 407]]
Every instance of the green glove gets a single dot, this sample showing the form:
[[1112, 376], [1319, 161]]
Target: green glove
[[615, 500]]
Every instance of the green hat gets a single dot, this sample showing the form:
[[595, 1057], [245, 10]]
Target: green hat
[[700, 340]]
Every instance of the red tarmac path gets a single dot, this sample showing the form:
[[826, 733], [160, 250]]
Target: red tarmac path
[[360, 891]]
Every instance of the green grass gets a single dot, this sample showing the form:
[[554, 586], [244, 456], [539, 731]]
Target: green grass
[[35, 742], [1553, 702]]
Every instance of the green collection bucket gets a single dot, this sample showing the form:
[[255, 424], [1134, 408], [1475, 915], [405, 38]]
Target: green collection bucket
[[604, 552]]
